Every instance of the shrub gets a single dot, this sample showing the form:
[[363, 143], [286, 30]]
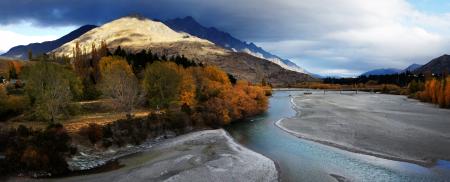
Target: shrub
[[35, 151], [93, 132], [11, 105]]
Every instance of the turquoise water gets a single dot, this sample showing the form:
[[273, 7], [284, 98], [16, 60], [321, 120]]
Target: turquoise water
[[302, 160]]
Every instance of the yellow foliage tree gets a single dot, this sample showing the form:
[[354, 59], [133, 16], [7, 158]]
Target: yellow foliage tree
[[119, 83]]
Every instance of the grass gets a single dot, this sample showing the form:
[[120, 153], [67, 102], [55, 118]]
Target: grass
[[100, 116], [74, 124]]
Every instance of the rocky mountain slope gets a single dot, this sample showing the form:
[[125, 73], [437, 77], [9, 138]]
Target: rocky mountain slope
[[437, 66], [134, 34], [227, 41], [21, 51]]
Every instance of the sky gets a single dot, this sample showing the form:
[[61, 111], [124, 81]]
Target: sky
[[327, 37]]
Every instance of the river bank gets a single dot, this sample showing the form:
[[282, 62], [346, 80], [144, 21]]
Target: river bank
[[386, 126], [210, 155]]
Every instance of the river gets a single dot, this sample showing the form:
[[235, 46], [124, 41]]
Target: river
[[303, 160]]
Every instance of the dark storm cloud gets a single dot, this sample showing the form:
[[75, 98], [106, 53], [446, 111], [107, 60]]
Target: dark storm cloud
[[325, 36], [251, 19]]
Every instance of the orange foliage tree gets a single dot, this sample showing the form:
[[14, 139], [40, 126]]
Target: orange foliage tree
[[220, 102], [436, 91]]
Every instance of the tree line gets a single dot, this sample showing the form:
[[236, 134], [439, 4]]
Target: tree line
[[433, 90], [400, 79]]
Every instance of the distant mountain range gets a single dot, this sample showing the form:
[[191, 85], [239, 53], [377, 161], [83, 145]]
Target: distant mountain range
[[134, 34], [438, 65], [21, 51], [383, 71], [390, 71], [227, 41]]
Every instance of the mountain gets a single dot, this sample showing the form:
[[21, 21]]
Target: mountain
[[412, 68], [21, 51], [437, 66], [227, 41], [134, 34], [383, 71]]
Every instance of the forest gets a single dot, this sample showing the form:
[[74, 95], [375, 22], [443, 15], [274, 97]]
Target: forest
[[41, 98]]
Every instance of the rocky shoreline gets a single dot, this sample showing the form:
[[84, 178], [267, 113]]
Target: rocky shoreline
[[209, 155], [88, 158]]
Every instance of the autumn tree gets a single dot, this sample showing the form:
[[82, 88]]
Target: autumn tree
[[162, 83], [14, 69], [86, 67], [221, 102], [119, 83], [251, 100], [80, 61], [447, 92], [187, 95], [50, 88], [213, 85], [436, 91], [96, 55]]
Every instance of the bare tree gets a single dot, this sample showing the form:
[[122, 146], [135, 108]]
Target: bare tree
[[119, 83], [51, 88]]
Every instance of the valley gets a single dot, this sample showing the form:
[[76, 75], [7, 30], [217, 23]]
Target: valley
[[174, 94]]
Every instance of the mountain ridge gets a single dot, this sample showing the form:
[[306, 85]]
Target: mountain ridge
[[382, 71], [411, 68], [189, 25], [134, 35], [437, 65], [21, 51]]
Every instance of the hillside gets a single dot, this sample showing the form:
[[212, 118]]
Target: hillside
[[383, 71], [21, 51], [437, 66], [227, 41], [412, 68], [134, 34]]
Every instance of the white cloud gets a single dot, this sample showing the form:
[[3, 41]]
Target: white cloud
[[10, 39], [362, 35], [340, 72], [25, 32]]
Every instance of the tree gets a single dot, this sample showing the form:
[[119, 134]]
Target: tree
[[214, 97], [119, 83], [187, 88], [50, 88], [211, 82], [12, 73], [30, 54], [447, 91], [162, 82], [11, 105], [413, 87]]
